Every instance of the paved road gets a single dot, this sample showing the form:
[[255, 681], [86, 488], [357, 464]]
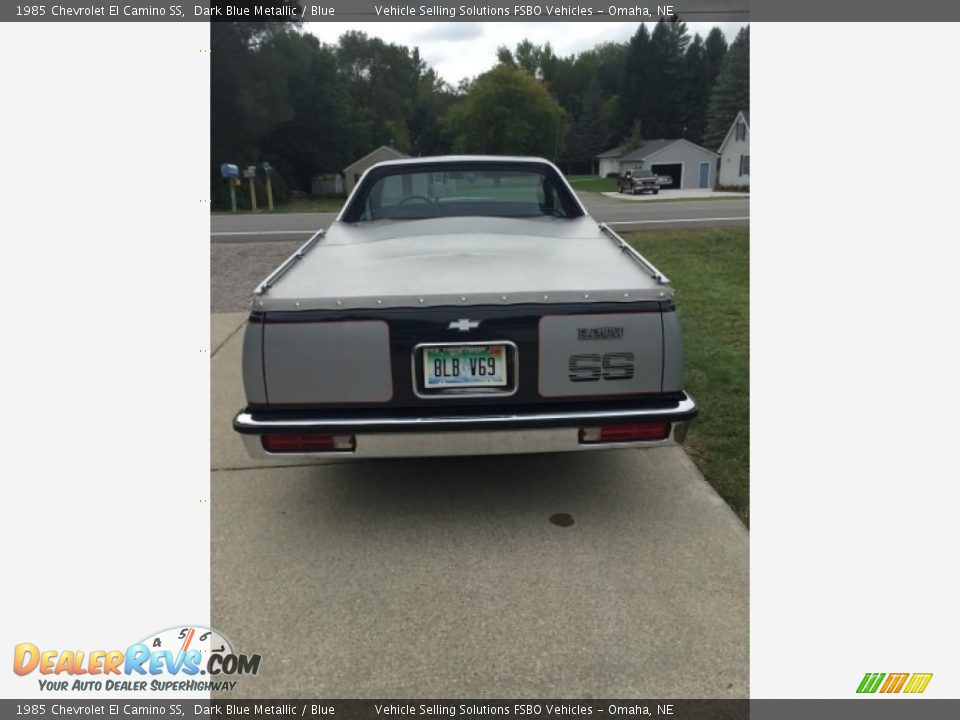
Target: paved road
[[621, 214], [626, 215], [445, 578]]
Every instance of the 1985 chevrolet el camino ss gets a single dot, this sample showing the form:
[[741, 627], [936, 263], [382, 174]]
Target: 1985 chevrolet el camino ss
[[462, 306]]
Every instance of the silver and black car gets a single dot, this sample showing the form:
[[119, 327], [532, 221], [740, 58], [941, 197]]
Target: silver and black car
[[462, 306]]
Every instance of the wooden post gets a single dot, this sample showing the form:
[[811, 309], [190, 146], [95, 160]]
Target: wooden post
[[253, 194], [269, 191]]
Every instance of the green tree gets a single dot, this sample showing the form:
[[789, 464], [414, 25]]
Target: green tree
[[530, 58], [249, 68], [664, 112], [434, 100], [507, 112], [281, 95], [731, 92], [318, 137], [696, 90], [715, 50], [572, 82], [634, 140], [588, 135], [637, 83], [611, 113], [653, 79], [569, 78], [505, 56], [382, 82]]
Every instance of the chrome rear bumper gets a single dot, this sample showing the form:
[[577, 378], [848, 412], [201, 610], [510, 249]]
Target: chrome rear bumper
[[428, 436]]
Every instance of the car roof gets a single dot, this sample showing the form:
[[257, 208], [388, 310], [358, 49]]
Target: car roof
[[447, 159]]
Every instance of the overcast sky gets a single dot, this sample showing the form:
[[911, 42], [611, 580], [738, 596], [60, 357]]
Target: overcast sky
[[464, 49]]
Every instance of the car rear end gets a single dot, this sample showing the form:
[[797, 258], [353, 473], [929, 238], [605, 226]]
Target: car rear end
[[409, 330], [463, 380]]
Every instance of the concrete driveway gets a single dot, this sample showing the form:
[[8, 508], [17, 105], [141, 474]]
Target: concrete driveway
[[446, 578]]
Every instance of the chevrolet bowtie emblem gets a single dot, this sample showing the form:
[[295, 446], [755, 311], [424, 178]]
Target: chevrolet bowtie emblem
[[463, 325]]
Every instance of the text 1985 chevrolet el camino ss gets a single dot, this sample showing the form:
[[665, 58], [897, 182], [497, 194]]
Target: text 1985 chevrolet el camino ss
[[462, 306]]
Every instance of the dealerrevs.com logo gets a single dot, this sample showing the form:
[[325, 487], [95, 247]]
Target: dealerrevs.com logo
[[888, 684], [182, 659]]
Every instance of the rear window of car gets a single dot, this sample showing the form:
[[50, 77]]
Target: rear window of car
[[420, 193]]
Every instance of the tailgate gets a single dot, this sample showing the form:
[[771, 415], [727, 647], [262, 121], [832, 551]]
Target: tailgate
[[538, 354]]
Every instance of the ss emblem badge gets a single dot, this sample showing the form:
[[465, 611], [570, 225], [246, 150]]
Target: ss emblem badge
[[591, 367]]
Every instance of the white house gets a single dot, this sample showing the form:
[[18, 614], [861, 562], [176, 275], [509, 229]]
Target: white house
[[735, 153], [353, 171], [690, 165], [326, 184], [610, 161]]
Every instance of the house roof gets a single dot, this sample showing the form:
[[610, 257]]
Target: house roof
[[745, 114], [647, 149], [393, 151], [612, 152], [650, 147]]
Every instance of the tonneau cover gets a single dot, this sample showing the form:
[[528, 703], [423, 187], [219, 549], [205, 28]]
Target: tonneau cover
[[460, 261]]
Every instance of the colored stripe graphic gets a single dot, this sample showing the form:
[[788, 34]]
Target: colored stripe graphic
[[918, 682], [894, 683], [870, 682]]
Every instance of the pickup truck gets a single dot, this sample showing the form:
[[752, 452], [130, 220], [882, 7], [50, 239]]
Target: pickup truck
[[638, 181], [462, 306]]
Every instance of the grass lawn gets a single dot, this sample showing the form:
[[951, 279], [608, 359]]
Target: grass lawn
[[329, 204], [709, 269], [592, 183]]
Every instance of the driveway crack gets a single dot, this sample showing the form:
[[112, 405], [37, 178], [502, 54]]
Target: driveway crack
[[228, 338]]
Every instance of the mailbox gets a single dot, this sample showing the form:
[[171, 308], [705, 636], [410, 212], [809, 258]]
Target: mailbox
[[250, 172], [229, 171]]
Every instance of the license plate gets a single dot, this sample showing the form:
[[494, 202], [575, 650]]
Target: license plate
[[465, 366]]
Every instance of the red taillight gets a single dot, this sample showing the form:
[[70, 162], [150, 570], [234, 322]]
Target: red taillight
[[310, 442], [625, 433]]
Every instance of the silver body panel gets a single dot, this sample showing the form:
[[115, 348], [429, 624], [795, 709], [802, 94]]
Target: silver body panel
[[254, 382], [328, 362], [672, 353], [641, 337]]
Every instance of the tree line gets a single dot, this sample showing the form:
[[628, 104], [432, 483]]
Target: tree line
[[279, 94]]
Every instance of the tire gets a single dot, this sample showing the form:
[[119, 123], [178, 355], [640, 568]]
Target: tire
[[657, 191]]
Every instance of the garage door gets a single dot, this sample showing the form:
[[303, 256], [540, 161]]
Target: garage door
[[674, 170]]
